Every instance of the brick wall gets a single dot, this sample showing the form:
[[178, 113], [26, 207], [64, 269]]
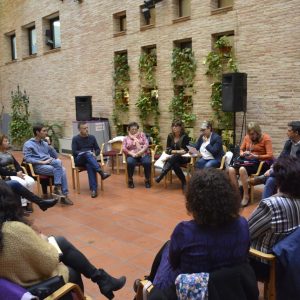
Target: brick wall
[[266, 41]]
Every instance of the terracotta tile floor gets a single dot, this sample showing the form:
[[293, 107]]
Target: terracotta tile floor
[[122, 229]]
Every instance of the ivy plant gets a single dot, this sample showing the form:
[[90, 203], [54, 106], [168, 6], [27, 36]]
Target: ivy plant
[[182, 106], [147, 63], [20, 127], [184, 68], [218, 62], [147, 103], [121, 78]]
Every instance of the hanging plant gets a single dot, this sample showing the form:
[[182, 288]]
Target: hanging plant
[[121, 96], [183, 66], [20, 127], [147, 65], [218, 62], [183, 74], [182, 106], [147, 103]]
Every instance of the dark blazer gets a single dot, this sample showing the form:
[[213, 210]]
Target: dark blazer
[[287, 149], [181, 144], [287, 267], [215, 146]]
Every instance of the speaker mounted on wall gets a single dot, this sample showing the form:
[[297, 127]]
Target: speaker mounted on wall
[[234, 92], [83, 108]]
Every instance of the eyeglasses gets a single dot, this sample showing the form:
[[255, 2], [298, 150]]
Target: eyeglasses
[[175, 125]]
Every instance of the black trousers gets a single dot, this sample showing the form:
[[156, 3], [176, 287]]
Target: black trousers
[[76, 262]]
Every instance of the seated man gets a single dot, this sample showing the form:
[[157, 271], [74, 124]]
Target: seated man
[[45, 161], [291, 148], [85, 149]]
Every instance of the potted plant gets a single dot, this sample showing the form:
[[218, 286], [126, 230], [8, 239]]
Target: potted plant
[[223, 44]]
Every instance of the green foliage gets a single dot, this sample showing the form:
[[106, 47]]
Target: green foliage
[[217, 63], [55, 132], [184, 68], [20, 127], [121, 78], [148, 104], [183, 65], [182, 106], [147, 65]]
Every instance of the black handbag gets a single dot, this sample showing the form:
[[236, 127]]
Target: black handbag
[[47, 287]]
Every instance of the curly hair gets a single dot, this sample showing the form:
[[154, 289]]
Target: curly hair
[[287, 173], [211, 198], [10, 208]]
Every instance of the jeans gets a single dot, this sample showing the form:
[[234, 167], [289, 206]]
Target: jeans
[[270, 187], [207, 163], [56, 170], [89, 161], [76, 261], [145, 161]]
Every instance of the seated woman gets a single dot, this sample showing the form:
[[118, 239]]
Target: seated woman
[[256, 147], [216, 236], [9, 167], [210, 147], [277, 216], [32, 259], [177, 142], [135, 146]]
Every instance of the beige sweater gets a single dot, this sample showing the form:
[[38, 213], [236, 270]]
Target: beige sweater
[[26, 258]]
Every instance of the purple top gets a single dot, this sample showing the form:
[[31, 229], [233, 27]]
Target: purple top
[[196, 248]]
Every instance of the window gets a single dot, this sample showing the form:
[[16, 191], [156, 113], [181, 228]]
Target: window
[[51, 28], [32, 40], [119, 20], [55, 32], [183, 44], [147, 16], [184, 8], [229, 35], [13, 44], [224, 3]]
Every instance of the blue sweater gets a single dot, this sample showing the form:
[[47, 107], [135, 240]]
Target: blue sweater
[[35, 151], [84, 143]]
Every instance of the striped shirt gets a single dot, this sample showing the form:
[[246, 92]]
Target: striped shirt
[[275, 218]]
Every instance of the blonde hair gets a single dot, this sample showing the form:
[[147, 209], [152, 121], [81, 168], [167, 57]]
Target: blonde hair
[[255, 127]]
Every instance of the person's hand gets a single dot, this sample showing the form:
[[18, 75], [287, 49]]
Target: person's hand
[[20, 174], [252, 156], [47, 139], [47, 162], [267, 173], [246, 153], [205, 138]]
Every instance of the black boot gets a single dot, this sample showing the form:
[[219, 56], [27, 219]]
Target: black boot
[[167, 167], [107, 283], [43, 204], [103, 175]]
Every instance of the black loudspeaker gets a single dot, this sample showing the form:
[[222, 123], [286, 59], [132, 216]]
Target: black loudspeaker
[[234, 92], [83, 108]]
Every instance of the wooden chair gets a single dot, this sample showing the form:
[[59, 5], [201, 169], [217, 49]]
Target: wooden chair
[[252, 176], [153, 149], [269, 286], [75, 170], [67, 288], [114, 154], [188, 168], [42, 180]]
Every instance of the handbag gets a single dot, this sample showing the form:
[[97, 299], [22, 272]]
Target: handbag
[[47, 287], [162, 159], [243, 162]]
